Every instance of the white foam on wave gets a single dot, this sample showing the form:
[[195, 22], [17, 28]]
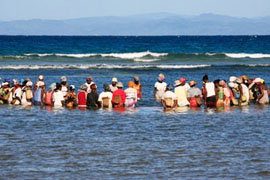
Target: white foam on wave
[[257, 65], [244, 55], [116, 55], [134, 55], [145, 60], [100, 66], [77, 55]]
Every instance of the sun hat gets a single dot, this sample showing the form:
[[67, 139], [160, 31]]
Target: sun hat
[[114, 79], [182, 80], [29, 83], [192, 83], [257, 80], [83, 87], [4, 83], [176, 83], [233, 78], [119, 84], [93, 86], [63, 79], [130, 84], [41, 77], [72, 87], [53, 86]]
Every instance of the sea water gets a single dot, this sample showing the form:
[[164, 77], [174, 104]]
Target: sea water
[[140, 143]]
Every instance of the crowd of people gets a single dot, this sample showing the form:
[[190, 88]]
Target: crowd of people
[[62, 94], [237, 92]]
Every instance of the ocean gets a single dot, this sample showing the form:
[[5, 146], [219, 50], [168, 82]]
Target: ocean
[[141, 143]]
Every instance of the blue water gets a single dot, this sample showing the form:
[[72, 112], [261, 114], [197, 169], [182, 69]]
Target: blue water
[[141, 143]]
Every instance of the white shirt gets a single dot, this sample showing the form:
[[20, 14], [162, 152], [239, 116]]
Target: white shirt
[[103, 95], [245, 91], [187, 87], [169, 94], [18, 93], [161, 87], [89, 86], [131, 96], [64, 89], [58, 97], [24, 101], [210, 88]]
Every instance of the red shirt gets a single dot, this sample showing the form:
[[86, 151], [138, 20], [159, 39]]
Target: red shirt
[[121, 93], [82, 99]]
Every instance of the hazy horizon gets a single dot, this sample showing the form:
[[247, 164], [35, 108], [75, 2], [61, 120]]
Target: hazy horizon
[[70, 9]]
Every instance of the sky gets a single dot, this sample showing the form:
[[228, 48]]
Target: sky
[[69, 9]]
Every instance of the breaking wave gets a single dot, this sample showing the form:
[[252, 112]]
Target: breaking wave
[[244, 55], [102, 66]]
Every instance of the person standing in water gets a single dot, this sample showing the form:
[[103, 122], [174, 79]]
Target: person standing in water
[[71, 97], [119, 96], [263, 97], [219, 93], [138, 87], [168, 100], [64, 85], [92, 97], [58, 96], [40, 81], [88, 83], [39, 93], [181, 92], [82, 94], [27, 96], [113, 86], [160, 87], [131, 95], [17, 93], [105, 98], [49, 95], [194, 95], [243, 93], [209, 94]]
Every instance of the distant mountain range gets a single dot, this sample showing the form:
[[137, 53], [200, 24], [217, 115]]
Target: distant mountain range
[[145, 24]]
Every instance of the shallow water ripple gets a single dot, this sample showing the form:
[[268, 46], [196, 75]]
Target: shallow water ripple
[[142, 144]]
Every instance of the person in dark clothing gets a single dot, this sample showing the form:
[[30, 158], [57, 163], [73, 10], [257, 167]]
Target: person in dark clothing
[[92, 97]]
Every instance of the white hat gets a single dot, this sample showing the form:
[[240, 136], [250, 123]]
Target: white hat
[[29, 83], [72, 86], [257, 80], [63, 78], [176, 83], [53, 86], [233, 78], [114, 79], [41, 77]]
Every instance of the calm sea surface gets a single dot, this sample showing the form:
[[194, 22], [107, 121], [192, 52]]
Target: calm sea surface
[[141, 143]]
